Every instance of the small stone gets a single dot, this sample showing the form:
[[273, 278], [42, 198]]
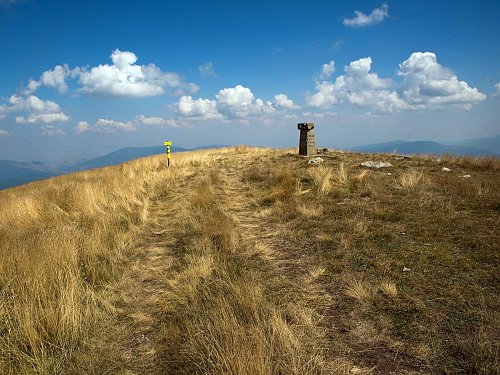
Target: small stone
[[466, 176], [315, 161], [444, 169], [376, 164], [406, 269]]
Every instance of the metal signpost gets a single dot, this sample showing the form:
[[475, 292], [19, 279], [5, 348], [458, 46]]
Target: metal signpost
[[168, 144]]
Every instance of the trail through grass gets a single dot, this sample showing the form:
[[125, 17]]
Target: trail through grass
[[249, 261], [210, 293]]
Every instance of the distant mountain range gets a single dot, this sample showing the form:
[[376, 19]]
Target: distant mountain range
[[13, 173], [491, 144], [473, 147], [122, 155]]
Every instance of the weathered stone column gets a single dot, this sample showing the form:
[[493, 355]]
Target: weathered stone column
[[307, 143]]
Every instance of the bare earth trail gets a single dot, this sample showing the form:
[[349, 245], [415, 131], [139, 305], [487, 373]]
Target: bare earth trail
[[130, 341]]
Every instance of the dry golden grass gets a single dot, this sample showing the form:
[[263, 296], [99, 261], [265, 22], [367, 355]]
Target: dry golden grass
[[491, 163], [413, 180], [389, 288], [249, 261], [61, 241], [222, 316], [417, 217], [321, 177], [360, 290], [362, 176], [310, 211], [342, 175]]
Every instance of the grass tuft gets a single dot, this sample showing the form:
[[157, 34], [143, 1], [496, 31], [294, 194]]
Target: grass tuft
[[321, 177], [413, 180], [389, 289], [360, 290]]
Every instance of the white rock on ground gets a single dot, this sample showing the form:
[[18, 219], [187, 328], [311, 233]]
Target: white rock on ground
[[376, 164], [444, 169], [314, 161], [466, 176]]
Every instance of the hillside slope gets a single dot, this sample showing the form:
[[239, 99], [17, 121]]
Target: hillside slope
[[250, 261]]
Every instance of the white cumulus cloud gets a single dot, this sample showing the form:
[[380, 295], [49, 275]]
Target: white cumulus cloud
[[104, 125], [236, 102], [497, 87], [156, 121], [125, 78], [46, 118], [360, 19], [235, 96], [358, 86], [327, 70], [55, 78], [33, 103], [44, 111], [425, 84], [239, 102], [121, 78], [31, 87], [112, 125], [199, 108], [82, 127], [282, 101]]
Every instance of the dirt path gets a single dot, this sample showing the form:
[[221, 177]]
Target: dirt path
[[148, 280], [126, 341], [255, 223], [132, 339]]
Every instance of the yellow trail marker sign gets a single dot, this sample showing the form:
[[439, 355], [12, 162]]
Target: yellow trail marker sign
[[168, 144]]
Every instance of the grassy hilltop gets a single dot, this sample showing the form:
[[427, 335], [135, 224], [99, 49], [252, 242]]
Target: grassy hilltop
[[250, 261]]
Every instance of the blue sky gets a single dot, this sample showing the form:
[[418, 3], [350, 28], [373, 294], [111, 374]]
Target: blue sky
[[79, 79]]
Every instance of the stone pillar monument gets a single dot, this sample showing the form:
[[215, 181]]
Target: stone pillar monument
[[307, 143]]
